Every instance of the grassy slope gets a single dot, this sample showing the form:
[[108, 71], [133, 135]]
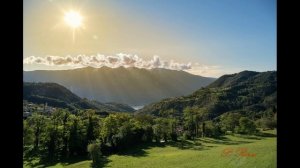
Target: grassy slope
[[205, 152]]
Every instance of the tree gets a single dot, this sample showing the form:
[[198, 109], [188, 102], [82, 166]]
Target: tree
[[229, 121], [51, 141], [38, 123], [57, 133], [91, 125], [193, 116], [266, 123], [110, 129], [90, 130], [75, 137], [189, 121], [162, 129], [94, 150], [173, 124], [201, 117], [65, 132], [27, 134], [145, 122], [212, 129], [246, 126]]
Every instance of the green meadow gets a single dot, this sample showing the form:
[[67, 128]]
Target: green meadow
[[227, 152]]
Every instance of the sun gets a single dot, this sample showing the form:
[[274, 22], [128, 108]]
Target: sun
[[73, 19]]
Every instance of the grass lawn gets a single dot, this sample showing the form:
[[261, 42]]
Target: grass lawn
[[227, 152]]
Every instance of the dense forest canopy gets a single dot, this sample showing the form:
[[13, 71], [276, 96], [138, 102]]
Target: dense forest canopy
[[251, 93]]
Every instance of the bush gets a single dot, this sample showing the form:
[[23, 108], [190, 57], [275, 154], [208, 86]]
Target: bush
[[229, 121], [246, 126], [266, 123], [94, 150], [212, 130]]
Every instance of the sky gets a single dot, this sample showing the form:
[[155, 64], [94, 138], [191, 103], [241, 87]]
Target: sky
[[203, 37]]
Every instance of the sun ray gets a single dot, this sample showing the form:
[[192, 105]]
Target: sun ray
[[73, 19]]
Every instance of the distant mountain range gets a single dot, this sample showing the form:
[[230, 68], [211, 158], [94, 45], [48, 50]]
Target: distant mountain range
[[132, 86], [251, 93], [58, 96]]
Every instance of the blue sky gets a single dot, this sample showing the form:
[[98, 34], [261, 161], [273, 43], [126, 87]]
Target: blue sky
[[229, 35]]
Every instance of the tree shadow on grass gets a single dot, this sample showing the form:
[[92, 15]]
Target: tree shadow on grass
[[46, 162], [140, 150], [73, 160], [251, 137], [197, 144], [224, 141], [187, 144], [36, 161], [207, 143], [103, 162], [265, 134], [257, 136], [134, 151]]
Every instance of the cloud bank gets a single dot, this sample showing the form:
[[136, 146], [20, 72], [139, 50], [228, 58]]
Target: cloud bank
[[118, 60], [125, 60]]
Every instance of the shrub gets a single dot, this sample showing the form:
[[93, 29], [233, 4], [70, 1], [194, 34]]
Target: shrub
[[246, 126], [94, 150], [212, 129], [266, 123]]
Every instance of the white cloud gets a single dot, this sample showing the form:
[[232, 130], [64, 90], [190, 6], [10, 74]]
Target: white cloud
[[121, 59], [126, 60], [206, 70]]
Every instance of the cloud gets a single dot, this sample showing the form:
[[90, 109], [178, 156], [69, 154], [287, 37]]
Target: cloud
[[125, 60], [99, 60], [206, 70]]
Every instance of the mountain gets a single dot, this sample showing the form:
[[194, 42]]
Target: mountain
[[131, 86], [251, 93], [233, 79], [58, 96]]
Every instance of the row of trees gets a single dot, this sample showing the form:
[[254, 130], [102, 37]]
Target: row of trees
[[197, 122], [63, 134]]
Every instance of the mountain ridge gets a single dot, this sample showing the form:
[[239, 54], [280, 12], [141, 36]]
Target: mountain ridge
[[58, 96], [250, 92], [133, 86]]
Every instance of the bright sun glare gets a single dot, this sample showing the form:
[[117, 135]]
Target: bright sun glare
[[73, 19]]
